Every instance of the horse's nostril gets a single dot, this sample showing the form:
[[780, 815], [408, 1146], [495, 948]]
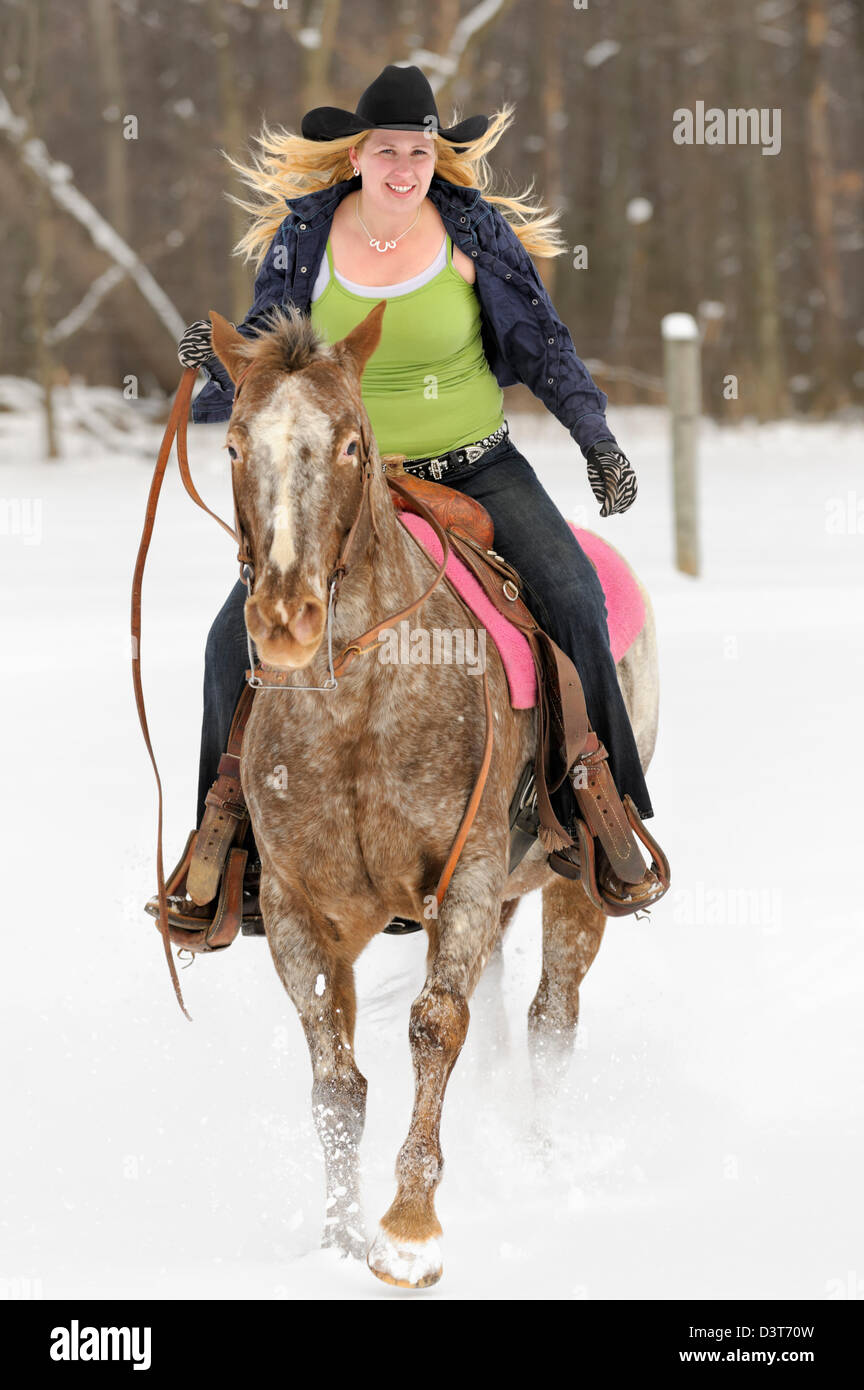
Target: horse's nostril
[[255, 621], [307, 623], [280, 620]]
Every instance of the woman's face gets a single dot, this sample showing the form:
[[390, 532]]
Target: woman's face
[[396, 167]]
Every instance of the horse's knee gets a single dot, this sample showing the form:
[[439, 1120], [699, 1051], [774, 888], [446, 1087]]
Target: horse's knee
[[439, 1023]]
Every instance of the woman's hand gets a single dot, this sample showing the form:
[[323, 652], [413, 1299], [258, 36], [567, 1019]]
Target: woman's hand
[[611, 476], [196, 345]]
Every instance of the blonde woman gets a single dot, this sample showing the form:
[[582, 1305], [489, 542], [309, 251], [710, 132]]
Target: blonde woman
[[384, 202]]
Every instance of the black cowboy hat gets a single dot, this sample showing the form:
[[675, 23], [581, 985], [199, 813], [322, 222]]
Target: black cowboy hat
[[400, 98]]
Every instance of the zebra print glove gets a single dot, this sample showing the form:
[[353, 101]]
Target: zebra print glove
[[612, 479], [196, 345]]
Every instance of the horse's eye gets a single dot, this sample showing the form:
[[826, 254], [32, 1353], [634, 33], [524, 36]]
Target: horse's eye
[[232, 452], [352, 447]]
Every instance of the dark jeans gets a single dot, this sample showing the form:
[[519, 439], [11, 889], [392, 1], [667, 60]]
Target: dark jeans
[[562, 590]]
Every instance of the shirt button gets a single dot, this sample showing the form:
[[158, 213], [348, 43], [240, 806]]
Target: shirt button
[[473, 253], [550, 379], [302, 226], [535, 301], [463, 219], [508, 276], [550, 340], [303, 269]]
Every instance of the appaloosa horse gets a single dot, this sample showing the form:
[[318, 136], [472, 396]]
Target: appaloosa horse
[[356, 794]]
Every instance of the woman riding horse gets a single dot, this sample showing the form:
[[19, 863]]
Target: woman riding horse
[[466, 314]]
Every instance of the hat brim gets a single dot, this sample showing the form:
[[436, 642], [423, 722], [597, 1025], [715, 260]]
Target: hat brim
[[332, 123]]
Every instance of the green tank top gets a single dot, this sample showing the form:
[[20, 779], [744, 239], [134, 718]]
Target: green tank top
[[428, 386]]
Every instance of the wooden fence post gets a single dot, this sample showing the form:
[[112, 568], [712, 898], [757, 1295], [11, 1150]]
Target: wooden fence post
[[683, 371]]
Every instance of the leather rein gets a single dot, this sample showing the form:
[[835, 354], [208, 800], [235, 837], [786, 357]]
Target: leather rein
[[261, 676]]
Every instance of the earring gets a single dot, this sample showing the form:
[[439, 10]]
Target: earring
[[356, 170]]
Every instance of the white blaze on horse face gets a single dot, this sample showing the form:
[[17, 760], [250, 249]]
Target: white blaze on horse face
[[287, 425]]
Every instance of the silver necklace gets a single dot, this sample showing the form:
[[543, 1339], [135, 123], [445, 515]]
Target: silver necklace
[[375, 241]]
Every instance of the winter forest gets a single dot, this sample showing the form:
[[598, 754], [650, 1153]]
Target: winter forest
[[135, 99]]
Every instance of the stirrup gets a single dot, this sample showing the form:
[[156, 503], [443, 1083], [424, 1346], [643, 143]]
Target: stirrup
[[207, 930], [580, 863], [226, 816]]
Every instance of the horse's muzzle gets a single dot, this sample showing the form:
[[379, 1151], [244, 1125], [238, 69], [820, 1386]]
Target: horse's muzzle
[[287, 632]]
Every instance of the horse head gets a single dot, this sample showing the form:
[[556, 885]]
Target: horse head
[[301, 451]]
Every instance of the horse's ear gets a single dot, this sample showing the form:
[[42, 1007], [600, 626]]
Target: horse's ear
[[226, 345], [356, 349]]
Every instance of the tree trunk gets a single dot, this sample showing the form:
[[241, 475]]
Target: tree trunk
[[322, 15], [44, 240], [112, 99], [828, 367], [552, 105], [761, 180], [231, 135]]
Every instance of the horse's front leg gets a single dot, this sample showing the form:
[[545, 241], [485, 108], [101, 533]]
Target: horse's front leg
[[320, 981], [407, 1248]]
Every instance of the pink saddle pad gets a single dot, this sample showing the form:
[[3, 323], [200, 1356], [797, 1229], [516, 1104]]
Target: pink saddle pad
[[624, 604]]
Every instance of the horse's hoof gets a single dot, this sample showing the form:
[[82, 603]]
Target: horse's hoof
[[410, 1264]]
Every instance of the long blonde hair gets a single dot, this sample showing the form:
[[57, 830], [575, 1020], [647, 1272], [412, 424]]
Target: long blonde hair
[[289, 166]]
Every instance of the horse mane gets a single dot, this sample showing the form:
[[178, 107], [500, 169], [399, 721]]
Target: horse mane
[[288, 342]]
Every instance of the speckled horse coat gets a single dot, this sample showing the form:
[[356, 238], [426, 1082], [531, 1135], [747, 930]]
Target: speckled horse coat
[[356, 795]]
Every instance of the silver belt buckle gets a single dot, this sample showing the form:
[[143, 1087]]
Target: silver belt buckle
[[474, 451], [437, 467]]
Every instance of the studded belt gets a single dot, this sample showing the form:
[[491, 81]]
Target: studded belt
[[435, 468]]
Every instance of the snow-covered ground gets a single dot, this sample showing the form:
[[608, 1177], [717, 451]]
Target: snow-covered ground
[[709, 1141]]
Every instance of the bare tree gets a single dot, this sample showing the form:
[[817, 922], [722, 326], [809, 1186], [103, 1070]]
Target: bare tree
[[828, 366], [56, 179]]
